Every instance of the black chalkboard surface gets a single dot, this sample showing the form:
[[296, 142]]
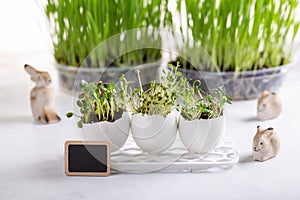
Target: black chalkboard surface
[[87, 158]]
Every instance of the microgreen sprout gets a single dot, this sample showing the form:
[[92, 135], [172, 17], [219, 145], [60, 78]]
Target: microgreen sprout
[[96, 103], [160, 98], [198, 105]]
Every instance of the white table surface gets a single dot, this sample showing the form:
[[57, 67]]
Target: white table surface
[[31, 154]]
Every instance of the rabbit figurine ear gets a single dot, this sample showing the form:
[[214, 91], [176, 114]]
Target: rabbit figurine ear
[[269, 132], [265, 93], [32, 72], [260, 129]]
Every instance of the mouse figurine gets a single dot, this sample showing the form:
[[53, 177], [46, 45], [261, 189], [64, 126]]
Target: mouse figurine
[[269, 106], [266, 144], [41, 96]]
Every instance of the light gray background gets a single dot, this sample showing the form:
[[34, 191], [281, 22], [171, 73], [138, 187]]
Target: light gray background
[[31, 155]]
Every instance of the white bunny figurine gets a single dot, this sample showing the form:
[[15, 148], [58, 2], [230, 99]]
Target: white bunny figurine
[[269, 106], [41, 96], [266, 144]]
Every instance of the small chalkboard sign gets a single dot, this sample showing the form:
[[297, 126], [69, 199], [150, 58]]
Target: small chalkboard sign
[[87, 158]]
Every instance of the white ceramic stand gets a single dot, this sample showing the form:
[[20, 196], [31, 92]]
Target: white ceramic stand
[[131, 159]]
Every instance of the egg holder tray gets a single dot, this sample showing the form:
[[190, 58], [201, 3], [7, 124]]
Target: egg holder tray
[[131, 159]]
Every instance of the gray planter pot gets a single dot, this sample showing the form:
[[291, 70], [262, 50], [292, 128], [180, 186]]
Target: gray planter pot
[[70, 77], [242, 85]]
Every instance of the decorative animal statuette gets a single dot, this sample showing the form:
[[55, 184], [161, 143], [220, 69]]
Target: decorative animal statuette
[[41, 96], [269, 106], [266, 144]]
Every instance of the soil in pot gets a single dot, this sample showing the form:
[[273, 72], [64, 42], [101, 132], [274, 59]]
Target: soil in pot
[[242, 85], [70, 77]]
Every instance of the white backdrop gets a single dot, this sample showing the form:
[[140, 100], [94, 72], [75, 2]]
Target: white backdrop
[[24, 28]]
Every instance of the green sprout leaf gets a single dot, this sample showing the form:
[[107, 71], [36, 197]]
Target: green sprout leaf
[[98, 102], [79, 124], [69, 115]]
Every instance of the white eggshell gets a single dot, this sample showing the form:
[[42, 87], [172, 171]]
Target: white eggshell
[[116, 133], [201, 136], [154, 133]]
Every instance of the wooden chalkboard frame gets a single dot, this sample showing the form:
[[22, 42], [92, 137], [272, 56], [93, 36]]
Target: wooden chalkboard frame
[[74, 142]]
